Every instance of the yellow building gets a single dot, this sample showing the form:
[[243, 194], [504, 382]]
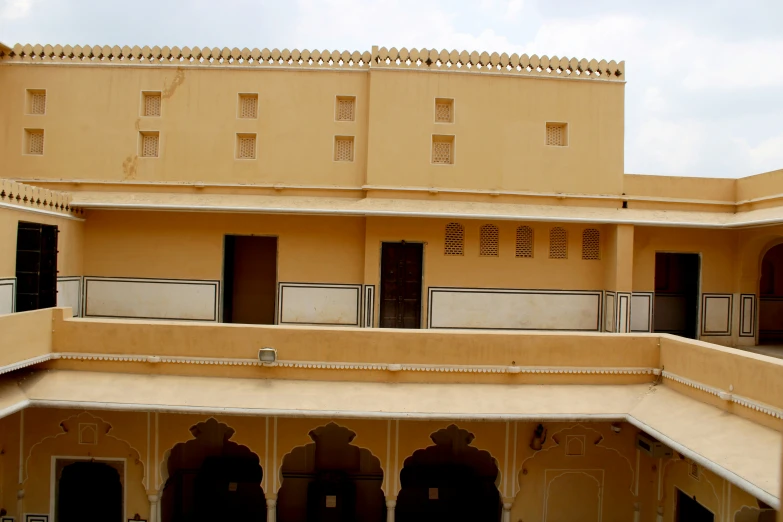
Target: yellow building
[[362, 286]]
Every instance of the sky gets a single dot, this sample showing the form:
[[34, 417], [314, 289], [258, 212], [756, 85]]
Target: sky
[[705, 78]]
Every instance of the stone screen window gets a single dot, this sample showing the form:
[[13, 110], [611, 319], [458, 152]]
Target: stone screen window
[[149, 143], [34, 142], [489, 237], [454, 244], [343, 148], [524, 245], [591, 244], [152, 103], [248, 106], [36, 102], [246, 146], [442, 150], [345, 108], [558, 243], [444, 110], [556, 134]]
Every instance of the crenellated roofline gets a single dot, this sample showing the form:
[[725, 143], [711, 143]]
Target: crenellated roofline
[[402, 59]]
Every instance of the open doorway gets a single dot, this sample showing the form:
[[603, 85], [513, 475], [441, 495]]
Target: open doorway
[[36, 266], [89, 491], [689, 510], [676, 307], [249, 279], [771, 297]]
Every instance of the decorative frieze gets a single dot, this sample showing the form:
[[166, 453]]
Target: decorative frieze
[[30, 197]]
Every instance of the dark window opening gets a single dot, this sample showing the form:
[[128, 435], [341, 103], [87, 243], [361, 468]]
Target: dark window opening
[[36, 266], [249, 279], [689, 510]]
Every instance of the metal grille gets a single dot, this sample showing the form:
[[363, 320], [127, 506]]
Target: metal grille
[[488, 240], [524, 246], [558, 243], [441, 152], [591, 244], [38, 103], [248, 107], [343, 149], [36, 140], [246, 147], [455, 240], [345, 109], [443, 112], [555, 134], [149, 145], [152, 105]]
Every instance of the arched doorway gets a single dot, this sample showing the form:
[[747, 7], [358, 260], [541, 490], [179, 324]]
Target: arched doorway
[[771, 297], [449, 481], [212, 478], [88, 491], [331, 480]]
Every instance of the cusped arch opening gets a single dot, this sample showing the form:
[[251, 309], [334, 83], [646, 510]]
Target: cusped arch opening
[[771, 296]]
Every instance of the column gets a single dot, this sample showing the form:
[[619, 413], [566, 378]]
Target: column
[[619, 276], [271, 509], [391, 503], [506, 512], [153, 507], [637, 513]]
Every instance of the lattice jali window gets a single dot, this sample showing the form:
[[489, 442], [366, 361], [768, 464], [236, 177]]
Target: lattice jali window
[[442, 150], [524, 244], [248, 106], [557, 134], [36, 102], [34, 141], [558, 243], [454, 244], [345, 108], [444, 110], [591, 244], [343, 148], [152, 102], [246, 146], [489, 237], [150, 144]]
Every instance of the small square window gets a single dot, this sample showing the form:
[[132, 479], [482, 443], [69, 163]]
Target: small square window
[[152, 103], [557, 134], [248, 106], [36, 102], [246, 146], [343, 148], [444, 110], [149, 144], [345, 108], [442, 149], [34, 141]]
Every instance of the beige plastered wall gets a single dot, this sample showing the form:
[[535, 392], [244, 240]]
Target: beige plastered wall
[[576, 460]]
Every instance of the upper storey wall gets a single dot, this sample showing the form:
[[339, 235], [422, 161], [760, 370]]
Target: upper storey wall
[[93, 126]]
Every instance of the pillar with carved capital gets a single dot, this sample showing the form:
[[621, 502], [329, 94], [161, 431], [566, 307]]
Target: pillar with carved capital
[[153, 508], [271, 508], [391, 503], [637, 512], [659, 517], [506, 512]]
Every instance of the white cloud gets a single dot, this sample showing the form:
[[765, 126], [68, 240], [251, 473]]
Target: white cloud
[[15, 9]]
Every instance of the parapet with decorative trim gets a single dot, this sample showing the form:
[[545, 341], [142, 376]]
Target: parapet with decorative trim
[[29, 197], [405, 59]]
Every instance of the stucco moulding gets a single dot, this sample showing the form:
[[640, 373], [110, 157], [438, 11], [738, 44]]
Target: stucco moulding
[[28, 197], [393, 58]]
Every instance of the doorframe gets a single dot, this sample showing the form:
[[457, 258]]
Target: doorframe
[[223, 273], [53, 480], [423, 320], [698, 288]]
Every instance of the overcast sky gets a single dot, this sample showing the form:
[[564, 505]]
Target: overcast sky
[[705, 78]]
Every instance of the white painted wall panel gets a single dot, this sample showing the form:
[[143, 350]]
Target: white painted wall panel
[[717, 314], [338, 305], [514, 309], [151, 299], [69, 290], [641, 312], [7, 292], [609, 312]]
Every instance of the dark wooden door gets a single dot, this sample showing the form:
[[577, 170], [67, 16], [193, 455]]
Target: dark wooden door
[[36, 266], [401, 265]]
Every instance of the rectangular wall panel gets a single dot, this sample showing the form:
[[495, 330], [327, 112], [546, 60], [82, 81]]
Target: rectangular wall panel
[[641, 311], [747, 315], [514, 309], [609, 312], [716, 314], [320, 304], [623, 318], [7, 295], [173, 299], [369, 306], [69, 293]]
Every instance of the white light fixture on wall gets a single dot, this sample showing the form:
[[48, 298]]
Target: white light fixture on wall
[[267, 356]]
